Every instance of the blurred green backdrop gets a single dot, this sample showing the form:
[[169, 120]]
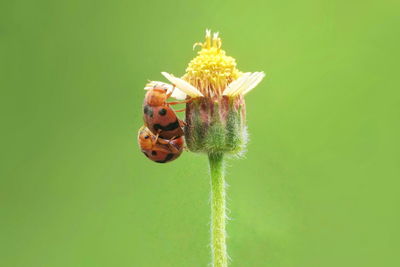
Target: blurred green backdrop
[[318, 187]]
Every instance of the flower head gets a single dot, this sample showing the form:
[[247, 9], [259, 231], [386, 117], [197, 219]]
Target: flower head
[[212, 73], [215, 117], [211, 70]]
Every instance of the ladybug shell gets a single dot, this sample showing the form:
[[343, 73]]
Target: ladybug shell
[[163, 153], [162, 120]]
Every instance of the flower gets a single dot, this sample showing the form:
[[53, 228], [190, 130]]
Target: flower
[[214, 89], [213, 73], [215, 117]]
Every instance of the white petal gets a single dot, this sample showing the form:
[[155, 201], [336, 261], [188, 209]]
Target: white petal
[[257, 79], [158, 85], [183, 85], [236, 85], [178, 94], [247, 83], [244, 84]]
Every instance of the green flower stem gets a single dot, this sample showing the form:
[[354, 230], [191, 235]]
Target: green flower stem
[[218, 210]]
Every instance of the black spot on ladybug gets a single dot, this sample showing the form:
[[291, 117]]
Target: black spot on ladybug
[[170, 127], [167, 158], [154, 153], [162, 112], [148, 111], [145, 154]]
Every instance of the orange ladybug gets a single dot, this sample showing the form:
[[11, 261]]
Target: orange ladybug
[[158, 116], [158, 149]]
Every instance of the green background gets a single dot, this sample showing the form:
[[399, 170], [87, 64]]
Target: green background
[[319, 184]]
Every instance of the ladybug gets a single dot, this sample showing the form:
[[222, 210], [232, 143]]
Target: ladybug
[[158, 149], [158, 116]]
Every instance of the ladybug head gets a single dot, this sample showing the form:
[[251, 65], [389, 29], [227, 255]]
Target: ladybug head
[[145, 138], [156, 97]]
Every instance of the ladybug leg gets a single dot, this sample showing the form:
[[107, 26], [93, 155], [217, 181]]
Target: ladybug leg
[[163, 141], [182, 123], [173, 149], [156, 139], [170, 93], [168, 142]]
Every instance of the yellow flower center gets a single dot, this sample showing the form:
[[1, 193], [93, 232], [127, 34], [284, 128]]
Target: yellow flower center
[[211, 70]]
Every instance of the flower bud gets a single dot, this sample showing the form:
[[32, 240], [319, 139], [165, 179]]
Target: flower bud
[[216, 125]]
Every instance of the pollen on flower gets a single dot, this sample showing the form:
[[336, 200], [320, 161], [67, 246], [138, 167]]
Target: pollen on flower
[[211, 70]]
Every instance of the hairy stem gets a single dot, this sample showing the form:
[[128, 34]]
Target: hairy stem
[[218, 210]]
